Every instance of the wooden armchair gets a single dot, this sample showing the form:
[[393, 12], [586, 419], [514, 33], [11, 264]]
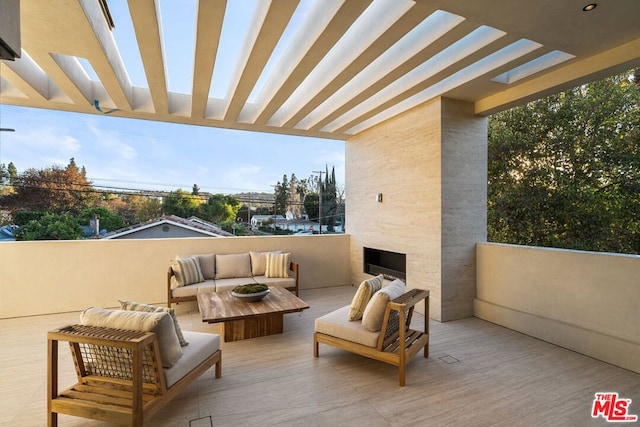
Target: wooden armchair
[[121, 379], [395, 344]]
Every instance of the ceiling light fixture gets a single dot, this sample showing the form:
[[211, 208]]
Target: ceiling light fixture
[[590, 7]]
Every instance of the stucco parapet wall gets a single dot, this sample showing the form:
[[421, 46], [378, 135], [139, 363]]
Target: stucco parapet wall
[[586, 301], [45, 277]]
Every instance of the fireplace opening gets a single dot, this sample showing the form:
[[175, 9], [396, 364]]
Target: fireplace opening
[[392, 265]]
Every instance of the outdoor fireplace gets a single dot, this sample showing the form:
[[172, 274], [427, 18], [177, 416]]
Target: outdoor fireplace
[[392, 265]]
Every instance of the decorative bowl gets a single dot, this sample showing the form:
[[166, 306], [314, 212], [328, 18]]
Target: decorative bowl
[[250, 297]]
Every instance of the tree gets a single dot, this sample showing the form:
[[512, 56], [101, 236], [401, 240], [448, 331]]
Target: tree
[[329, 199], [564, 171], [312, 205], [51, 226], [54, 189], [108, 220], [282, 196], [182, 204], [220, 208]]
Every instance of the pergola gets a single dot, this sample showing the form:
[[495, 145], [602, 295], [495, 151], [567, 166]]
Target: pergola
[[407, 84], [341, 68]]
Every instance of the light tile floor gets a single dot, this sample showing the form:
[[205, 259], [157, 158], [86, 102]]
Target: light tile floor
[[478, 374]]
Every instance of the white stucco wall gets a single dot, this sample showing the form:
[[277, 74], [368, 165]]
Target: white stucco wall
[[585, 301], [43, 277]]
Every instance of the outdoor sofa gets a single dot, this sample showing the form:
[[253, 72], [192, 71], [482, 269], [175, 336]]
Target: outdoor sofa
[[219, 272]]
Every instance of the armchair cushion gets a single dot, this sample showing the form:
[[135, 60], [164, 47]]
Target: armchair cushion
[[364, 293], [159, 323], [374, 312], [138, 306], [337, 325]]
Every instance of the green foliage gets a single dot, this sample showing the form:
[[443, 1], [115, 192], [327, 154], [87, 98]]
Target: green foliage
[[312, 205], [564, 171], [23, 217], [51, 226], [220, 208], [252, 288], [181, 203], [282, 196], [108, 220]]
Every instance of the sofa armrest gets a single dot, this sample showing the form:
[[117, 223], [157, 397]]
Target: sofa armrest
[[295, 268], [170, 274]]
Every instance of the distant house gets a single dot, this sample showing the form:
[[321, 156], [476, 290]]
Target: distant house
[[259, 220], [169, 226]]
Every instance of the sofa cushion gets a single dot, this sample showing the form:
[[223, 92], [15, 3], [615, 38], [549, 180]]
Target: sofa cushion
[[259, 262], [159, 323], [374, 312], [187, 271], [364, 293], [202, 345], [233, 265], [337, 325], [284, 282], [192, 291], [138, 306], [207, 265], [277, 265], [229, 284]]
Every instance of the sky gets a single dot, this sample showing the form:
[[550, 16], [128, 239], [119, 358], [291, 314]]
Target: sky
[[150, 155]]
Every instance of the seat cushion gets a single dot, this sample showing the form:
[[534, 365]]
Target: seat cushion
[[201, 346], [229, 284], [159, 323], [364, 293], [192, 290], [337, 325], [285, 282], [374, 312]]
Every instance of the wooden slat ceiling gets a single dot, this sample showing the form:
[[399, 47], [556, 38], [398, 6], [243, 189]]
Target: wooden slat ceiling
[[350, 64]]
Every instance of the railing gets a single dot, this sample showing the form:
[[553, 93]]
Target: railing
[[44, 277], [585, 301]]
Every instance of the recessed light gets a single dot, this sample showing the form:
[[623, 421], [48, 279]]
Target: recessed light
[[590, 7]]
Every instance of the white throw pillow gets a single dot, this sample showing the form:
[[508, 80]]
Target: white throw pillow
[[259, 262], [374, 312], [277, 265]]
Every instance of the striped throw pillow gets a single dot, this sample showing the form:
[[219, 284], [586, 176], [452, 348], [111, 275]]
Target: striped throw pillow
[[138, 306], [188, 271], [277, 265], [364, 293]]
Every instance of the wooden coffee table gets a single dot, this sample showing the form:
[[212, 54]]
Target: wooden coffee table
[[244, 320]]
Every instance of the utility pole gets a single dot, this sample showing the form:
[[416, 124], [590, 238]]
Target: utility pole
[[320, 198]]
